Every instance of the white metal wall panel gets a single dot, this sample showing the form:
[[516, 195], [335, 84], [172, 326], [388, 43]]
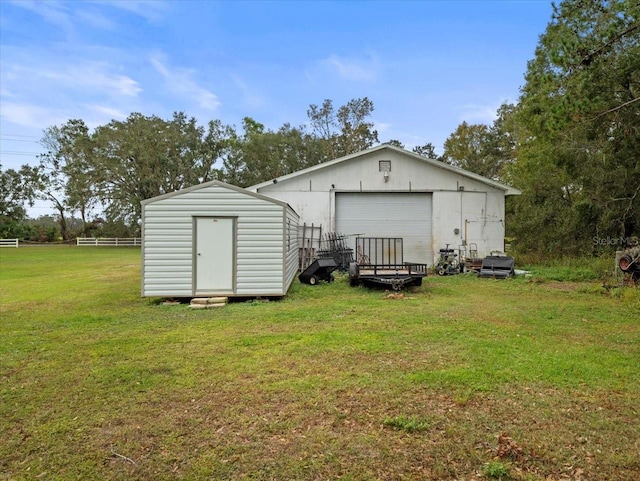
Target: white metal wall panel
[[291, 247], [385, 214], [168, 238]]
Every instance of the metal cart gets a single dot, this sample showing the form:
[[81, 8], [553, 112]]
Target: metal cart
[[318, 270]]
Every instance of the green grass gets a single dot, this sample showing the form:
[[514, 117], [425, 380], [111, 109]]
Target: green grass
[[496, 470], [330, 382], [582, 269], [408, 424]]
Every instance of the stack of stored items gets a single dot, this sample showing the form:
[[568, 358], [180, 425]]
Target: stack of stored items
[[334, 246]]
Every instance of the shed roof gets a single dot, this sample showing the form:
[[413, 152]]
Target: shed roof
[[218, 183], [433, 162]]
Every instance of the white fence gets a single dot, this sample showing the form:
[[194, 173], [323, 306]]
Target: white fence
[[109, 241], [8, 242]]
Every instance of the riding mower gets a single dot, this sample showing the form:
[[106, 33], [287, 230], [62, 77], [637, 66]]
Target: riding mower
[[448, 263]]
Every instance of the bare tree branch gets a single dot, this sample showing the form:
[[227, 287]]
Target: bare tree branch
[[615, 108]]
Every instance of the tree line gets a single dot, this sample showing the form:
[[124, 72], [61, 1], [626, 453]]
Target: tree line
[[571, 144], [113, 168]]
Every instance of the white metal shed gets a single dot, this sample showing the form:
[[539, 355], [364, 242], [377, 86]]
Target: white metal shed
[[216, 239]]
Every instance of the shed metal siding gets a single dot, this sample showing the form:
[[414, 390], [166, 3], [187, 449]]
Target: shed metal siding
[[291, 247], [168, 240]]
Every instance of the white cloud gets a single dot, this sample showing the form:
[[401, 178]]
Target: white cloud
[[53, 12], [479, 113], [67, 15], [95, 19], [31, 116], [207, 100], [357, 70], [251, 98], [39, 93], [151, 10], [156, 61], [382, 127], [89, 76], [107, 113], [180, 82], [97, 75]]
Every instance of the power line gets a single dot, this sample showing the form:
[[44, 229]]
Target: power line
[[21, 136], [18, 140], [18, 152]]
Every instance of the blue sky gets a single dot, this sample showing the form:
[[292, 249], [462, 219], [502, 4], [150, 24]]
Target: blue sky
[[426, 65]]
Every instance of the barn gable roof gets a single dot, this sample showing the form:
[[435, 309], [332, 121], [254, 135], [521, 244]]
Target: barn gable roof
[[435, 163]]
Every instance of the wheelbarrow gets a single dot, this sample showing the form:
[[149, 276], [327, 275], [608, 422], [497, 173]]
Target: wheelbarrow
[[319, 270]]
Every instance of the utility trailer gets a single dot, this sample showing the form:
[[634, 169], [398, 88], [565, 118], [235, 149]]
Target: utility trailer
[[379, 263]]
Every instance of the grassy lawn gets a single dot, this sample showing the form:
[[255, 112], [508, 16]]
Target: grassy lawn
[[463, 378]]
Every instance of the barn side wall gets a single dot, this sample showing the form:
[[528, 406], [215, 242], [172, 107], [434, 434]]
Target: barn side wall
[[168, 241], [477, 217]]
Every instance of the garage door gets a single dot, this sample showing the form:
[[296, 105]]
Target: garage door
[[406, 215]]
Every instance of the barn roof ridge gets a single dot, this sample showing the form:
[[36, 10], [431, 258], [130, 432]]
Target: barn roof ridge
[[436, 163]]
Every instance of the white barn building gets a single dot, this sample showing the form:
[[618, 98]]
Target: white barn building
[[387, 191], [216, 239]]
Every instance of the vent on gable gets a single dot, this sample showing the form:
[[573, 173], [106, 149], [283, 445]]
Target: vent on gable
[[384, 166]]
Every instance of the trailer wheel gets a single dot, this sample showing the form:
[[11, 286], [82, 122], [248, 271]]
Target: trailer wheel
[[625, 262], [442, 271], [354, 274], [313, 280]]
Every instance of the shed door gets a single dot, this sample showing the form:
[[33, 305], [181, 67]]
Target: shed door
[[214, 255], [378, 214]]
